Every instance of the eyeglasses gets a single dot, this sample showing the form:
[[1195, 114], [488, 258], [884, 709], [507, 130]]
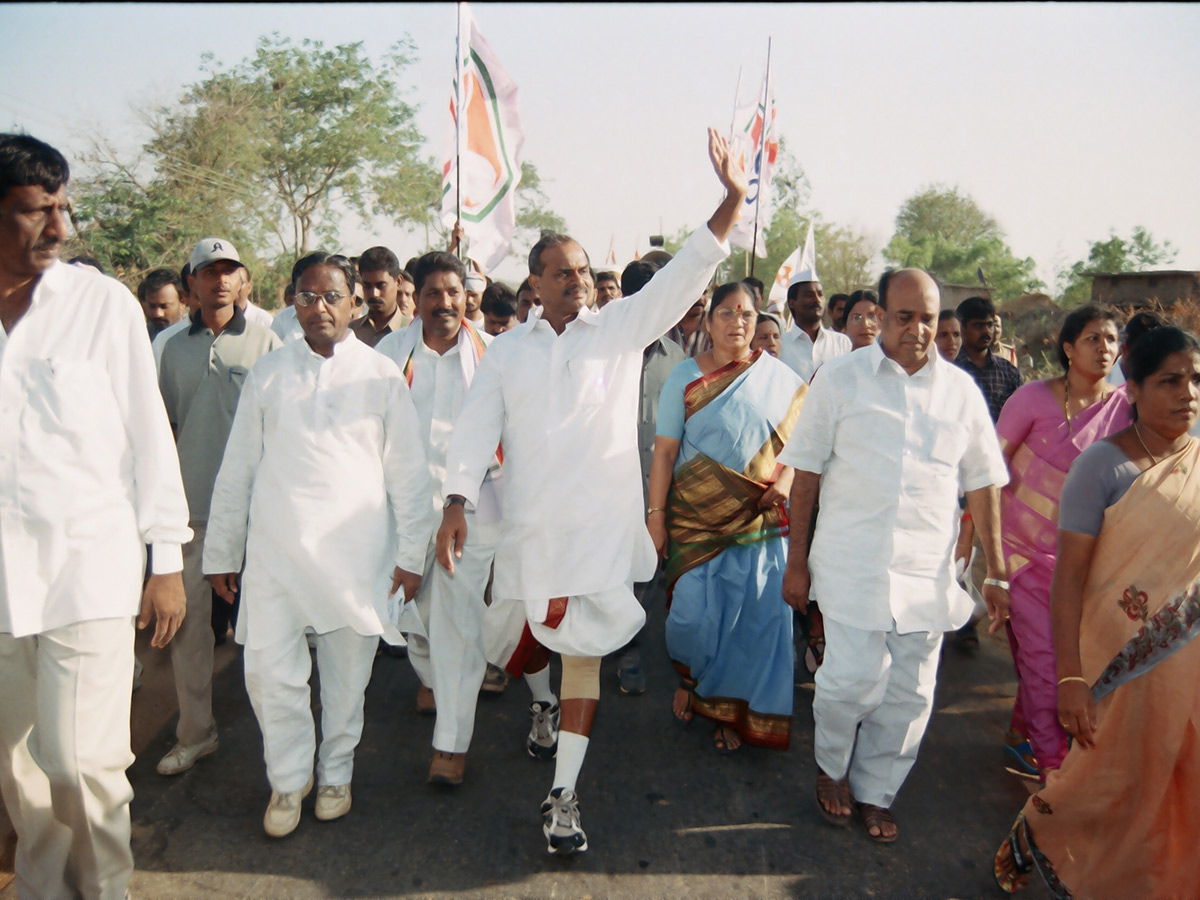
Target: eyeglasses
[[859, 318], [726, 314], [305, 299]]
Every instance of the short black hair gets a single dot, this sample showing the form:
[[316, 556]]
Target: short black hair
[[837, 298], [437, 261], [156, 280], [863, 296], [607, 275], [637, 275], [405, 275], [498, 300], [379, 259], [948, 314], [1150, 351], [974, 308], [25, 161], [730, 287], [545, 242], [88, 261], [755, 283], [1078, 319], [1139, 323], [333, 260]]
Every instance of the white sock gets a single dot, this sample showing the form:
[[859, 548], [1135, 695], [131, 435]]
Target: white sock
[[572, 748], [539, 685]]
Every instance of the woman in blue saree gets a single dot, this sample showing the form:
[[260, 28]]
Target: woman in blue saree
[[717, 515]]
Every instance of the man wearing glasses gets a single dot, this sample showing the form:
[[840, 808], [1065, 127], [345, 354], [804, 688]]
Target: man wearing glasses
[[327, 494]]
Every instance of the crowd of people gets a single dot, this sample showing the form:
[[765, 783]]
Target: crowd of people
[[385, 460]]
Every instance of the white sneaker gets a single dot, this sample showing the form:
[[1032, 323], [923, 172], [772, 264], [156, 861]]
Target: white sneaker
[[543, 730], [180, 758], [333, 801], [283, 812], [561, 825]]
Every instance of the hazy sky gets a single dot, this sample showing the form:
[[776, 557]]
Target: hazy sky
[[1062, 120]]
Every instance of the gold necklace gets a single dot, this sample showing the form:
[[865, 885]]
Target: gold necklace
[[1138, 432], [1067, 398]]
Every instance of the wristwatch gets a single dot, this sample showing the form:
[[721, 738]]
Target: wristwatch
[[454, 500]]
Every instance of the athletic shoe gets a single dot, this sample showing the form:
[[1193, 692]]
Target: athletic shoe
[[543, 732], [333, 801], [629, 674], [283, 812], [560, 823], [180, 758]]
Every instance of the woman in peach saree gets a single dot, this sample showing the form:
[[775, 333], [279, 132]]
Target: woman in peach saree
[[1119, 818]]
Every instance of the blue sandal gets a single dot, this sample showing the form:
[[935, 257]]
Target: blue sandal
[[1018, 760]]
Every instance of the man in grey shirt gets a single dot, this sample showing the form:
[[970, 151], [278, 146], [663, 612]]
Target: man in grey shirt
[[200, 376]]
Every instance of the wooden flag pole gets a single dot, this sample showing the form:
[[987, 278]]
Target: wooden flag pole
[[762, 155]]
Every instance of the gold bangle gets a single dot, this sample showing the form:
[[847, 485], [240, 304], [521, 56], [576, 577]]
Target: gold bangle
[[655, 509], [1078, 678]]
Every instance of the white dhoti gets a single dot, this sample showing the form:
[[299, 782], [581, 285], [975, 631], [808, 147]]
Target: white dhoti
[[277, 681], [874, 696], [192, 647], [593, 624], [64, 736]]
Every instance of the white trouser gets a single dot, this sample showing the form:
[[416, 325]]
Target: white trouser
[[277, 682], [192, 648], [64, 735], [876, 686]]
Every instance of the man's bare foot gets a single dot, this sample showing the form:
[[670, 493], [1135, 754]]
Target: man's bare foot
[[681, 706], [834, 799]]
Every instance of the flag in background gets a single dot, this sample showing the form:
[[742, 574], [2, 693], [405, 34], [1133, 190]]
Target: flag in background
[[804, 259], [480, 178], [755, 144]]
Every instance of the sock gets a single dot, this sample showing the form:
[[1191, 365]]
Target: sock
[[572, 748], [539, 685]]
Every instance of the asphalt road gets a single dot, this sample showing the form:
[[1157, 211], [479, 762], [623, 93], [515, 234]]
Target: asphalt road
[[665, 815]]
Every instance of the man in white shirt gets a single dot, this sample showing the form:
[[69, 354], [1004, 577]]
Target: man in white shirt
[[324, 490], [888, 436], [256, 315], [285, 326], [88, 477], [808, 343], [201, 375], [160, 340], [438, 355], [560, 392]]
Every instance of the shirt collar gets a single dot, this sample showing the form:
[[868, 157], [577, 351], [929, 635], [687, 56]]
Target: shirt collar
[[964, 358], [877, 356], [236, 325]]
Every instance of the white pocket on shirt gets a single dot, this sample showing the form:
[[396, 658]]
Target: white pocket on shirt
[[949, 444]]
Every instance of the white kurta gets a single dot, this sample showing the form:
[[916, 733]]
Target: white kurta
[[324, 483], [285, 326], [800, 352], [893, 451], [88, 469], [565, 409]]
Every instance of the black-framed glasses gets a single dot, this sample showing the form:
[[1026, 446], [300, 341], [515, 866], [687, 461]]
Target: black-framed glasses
[[305, 299]]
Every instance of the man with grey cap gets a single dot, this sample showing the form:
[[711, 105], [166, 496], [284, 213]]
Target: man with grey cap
[[200, 376]]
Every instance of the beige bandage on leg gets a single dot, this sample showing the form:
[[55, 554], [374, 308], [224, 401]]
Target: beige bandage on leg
[[580, 678]]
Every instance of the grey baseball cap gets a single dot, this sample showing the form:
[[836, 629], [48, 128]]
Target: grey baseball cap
[[211, 250]]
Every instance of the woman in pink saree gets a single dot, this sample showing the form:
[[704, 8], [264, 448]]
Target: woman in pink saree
[[1043, 427], [1118, 819]]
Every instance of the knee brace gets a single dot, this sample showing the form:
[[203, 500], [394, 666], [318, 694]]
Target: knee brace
[[580, 678]]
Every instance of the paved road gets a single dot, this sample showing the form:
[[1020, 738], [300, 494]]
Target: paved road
[[665, 816]]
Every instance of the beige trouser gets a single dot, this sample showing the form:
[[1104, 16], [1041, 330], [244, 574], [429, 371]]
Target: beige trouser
[[192, 648], [64, 740]]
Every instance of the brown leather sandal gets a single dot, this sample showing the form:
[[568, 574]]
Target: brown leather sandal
[[834, 792], [876, 817]]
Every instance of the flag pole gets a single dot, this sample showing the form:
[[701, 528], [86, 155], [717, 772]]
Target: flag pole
[[458, 112], [762, 153], [737, 98]]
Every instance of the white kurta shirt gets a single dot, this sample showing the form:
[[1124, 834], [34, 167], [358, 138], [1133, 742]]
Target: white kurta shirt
[[565, 409], [256, 315], [893, 451], [88, 470], [799, 351], [285, 326], [324, 484], [439, 385]]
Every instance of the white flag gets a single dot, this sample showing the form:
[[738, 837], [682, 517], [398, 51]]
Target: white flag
[[804, 259], [756, 145], [486, 140]]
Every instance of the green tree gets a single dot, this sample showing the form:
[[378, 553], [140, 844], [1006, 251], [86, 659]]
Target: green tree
[[265, 152], [946, 233], [1137, 253]]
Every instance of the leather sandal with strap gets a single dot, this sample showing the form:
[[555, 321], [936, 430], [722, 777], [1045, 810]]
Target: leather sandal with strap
[[834, 793], [876, 817]]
